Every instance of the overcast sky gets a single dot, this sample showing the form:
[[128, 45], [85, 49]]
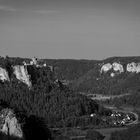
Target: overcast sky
[[79, 29]]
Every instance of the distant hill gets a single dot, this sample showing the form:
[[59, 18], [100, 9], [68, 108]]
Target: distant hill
[[113, 75], [86, 75], [69, 69]]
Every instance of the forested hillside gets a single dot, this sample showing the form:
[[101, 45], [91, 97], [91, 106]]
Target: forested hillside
[[48, 98], [68, 69], [115, 75]]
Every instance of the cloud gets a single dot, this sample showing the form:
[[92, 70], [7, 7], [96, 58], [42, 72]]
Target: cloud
[[12, 9]]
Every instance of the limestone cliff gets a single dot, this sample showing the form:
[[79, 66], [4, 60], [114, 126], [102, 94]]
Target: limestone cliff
[[132, 67], [116, 67], [4, 75], [9, 124], [21, 74], [106, 67]]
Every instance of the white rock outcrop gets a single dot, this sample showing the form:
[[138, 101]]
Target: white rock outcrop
[[133, 67], [106, 67], [4, 75], [22, 74], [9, 124], [117, 67]]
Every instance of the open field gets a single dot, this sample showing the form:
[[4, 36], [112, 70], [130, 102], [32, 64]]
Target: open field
[[106, 97], [107, 131]]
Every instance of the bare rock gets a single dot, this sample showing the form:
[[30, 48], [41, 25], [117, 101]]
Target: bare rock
[[4, 75], [9, 124], [22, 74], [133, 67], [106, 67], [118, 67]]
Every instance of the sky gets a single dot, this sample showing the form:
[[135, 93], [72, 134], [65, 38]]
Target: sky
[[70, 29]]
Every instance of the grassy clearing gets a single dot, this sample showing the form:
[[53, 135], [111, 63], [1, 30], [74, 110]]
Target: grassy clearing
[[107, 131]]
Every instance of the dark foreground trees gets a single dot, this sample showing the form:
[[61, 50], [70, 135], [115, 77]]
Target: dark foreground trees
[[34, 128]]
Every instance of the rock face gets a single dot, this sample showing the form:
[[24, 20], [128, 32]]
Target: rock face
[[106, 67], [22, 74], [4, 75], [9, 124], [117, 67], [133, 67]]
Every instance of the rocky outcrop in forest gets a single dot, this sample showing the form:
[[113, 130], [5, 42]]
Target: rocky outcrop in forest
[[117, 67], [9, 124], [4, 75], [22, 74]]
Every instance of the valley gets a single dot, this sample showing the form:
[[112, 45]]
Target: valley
[[73, 99]]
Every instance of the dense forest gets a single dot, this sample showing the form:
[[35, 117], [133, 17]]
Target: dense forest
[[48, 99]]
